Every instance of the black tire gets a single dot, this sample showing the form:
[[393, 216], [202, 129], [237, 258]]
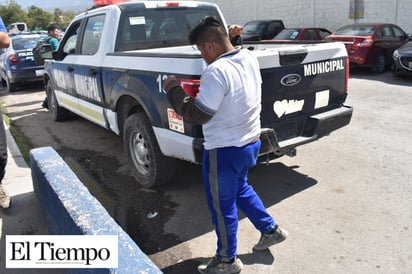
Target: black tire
[[379, 64], [57, 112], [10, 87], [149, 166], [3, 83]]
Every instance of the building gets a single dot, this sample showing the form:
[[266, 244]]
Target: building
[[330, 14]]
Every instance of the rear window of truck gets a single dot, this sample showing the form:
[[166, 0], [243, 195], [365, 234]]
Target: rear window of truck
[[157, 28]]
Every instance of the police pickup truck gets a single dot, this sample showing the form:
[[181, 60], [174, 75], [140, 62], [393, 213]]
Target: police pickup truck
[[113, 60]]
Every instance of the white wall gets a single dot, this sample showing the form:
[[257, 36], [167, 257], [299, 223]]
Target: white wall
[[330, 14]]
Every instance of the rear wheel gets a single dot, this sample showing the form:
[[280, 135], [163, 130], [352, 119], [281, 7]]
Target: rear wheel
[[57, 112], [3, 83], [380, 63], [150, 167]]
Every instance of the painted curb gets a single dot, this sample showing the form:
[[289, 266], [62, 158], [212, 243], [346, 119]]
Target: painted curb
[[70, 209]]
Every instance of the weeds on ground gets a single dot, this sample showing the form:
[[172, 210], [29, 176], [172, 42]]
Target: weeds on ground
[[22, 142]]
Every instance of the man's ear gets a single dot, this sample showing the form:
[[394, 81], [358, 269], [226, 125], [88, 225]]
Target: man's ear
[[208, 46]]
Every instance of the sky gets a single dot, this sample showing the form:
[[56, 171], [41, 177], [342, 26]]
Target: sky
[[50, 5]]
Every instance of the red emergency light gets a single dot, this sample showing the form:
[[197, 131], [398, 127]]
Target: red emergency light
[[99, 3], [170, 4]]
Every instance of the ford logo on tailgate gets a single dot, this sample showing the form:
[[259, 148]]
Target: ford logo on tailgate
[[290, 79]]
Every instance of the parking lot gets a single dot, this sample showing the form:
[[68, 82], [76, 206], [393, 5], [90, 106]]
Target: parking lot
[[345, 199]]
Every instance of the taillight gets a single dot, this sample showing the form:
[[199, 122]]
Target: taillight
[[365, 43], [13, 58], [347, 75], [190, 86]]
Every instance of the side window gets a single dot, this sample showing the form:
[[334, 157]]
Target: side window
[[398, 32], [271, 27], [324, 33], [70, 39], [92, 34], [386, 32], [310, 35], [70, 46], [274, 27]]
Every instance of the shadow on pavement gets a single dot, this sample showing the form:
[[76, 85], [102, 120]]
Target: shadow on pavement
[[190, 266]]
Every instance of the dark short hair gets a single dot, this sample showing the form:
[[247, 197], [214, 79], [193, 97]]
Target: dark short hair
[[209, 29], [51, 28]]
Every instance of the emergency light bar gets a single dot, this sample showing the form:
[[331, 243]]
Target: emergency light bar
[[163, 4], [100, 3]]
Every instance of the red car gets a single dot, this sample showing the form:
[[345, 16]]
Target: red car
[[302, 34], [369, 44]]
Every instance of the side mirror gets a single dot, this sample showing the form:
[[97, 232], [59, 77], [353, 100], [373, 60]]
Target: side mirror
[[41, 53], [46, 51]]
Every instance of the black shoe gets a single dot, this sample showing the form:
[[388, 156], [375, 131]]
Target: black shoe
[[267, 240]]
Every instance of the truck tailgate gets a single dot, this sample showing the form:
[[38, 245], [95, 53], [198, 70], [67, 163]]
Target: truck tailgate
[[303, 91]]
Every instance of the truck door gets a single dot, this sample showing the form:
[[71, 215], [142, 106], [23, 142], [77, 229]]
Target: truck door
[[87, 72], [63, 67]]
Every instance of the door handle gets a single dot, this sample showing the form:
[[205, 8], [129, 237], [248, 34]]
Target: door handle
[[70, 69]]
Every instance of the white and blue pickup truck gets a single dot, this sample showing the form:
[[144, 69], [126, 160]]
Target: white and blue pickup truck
[[113, 60]]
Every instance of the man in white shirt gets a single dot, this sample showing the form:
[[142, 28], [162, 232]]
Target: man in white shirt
[[228, 107]]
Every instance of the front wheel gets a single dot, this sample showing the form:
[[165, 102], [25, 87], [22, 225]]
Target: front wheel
[[150, 167], [10, 87], [57, 112]]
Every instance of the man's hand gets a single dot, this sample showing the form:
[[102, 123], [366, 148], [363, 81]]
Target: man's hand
[[235, 30], [170, 82]]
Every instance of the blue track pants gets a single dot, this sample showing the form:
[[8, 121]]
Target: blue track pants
[[225, 172]]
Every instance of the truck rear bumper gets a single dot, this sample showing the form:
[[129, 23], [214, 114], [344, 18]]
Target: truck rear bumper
[[317, 126], [191, 149]]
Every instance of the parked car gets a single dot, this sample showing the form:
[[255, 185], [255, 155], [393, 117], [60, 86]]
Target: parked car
[[402, 60], [17, 62], [257, 30], [302, 34], [370, 44]]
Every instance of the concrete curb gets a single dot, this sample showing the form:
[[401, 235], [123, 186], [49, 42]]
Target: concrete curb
[[70, 209]]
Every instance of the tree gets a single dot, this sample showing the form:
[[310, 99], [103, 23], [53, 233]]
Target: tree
[[12, 13], [35, 17], [57, 17], [38, 18], [67, 17], [62, 18]]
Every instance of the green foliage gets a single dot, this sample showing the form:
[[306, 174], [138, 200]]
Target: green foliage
[[35, 17], [38, 18], [62, 18], [21, 140], [12, 12]]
